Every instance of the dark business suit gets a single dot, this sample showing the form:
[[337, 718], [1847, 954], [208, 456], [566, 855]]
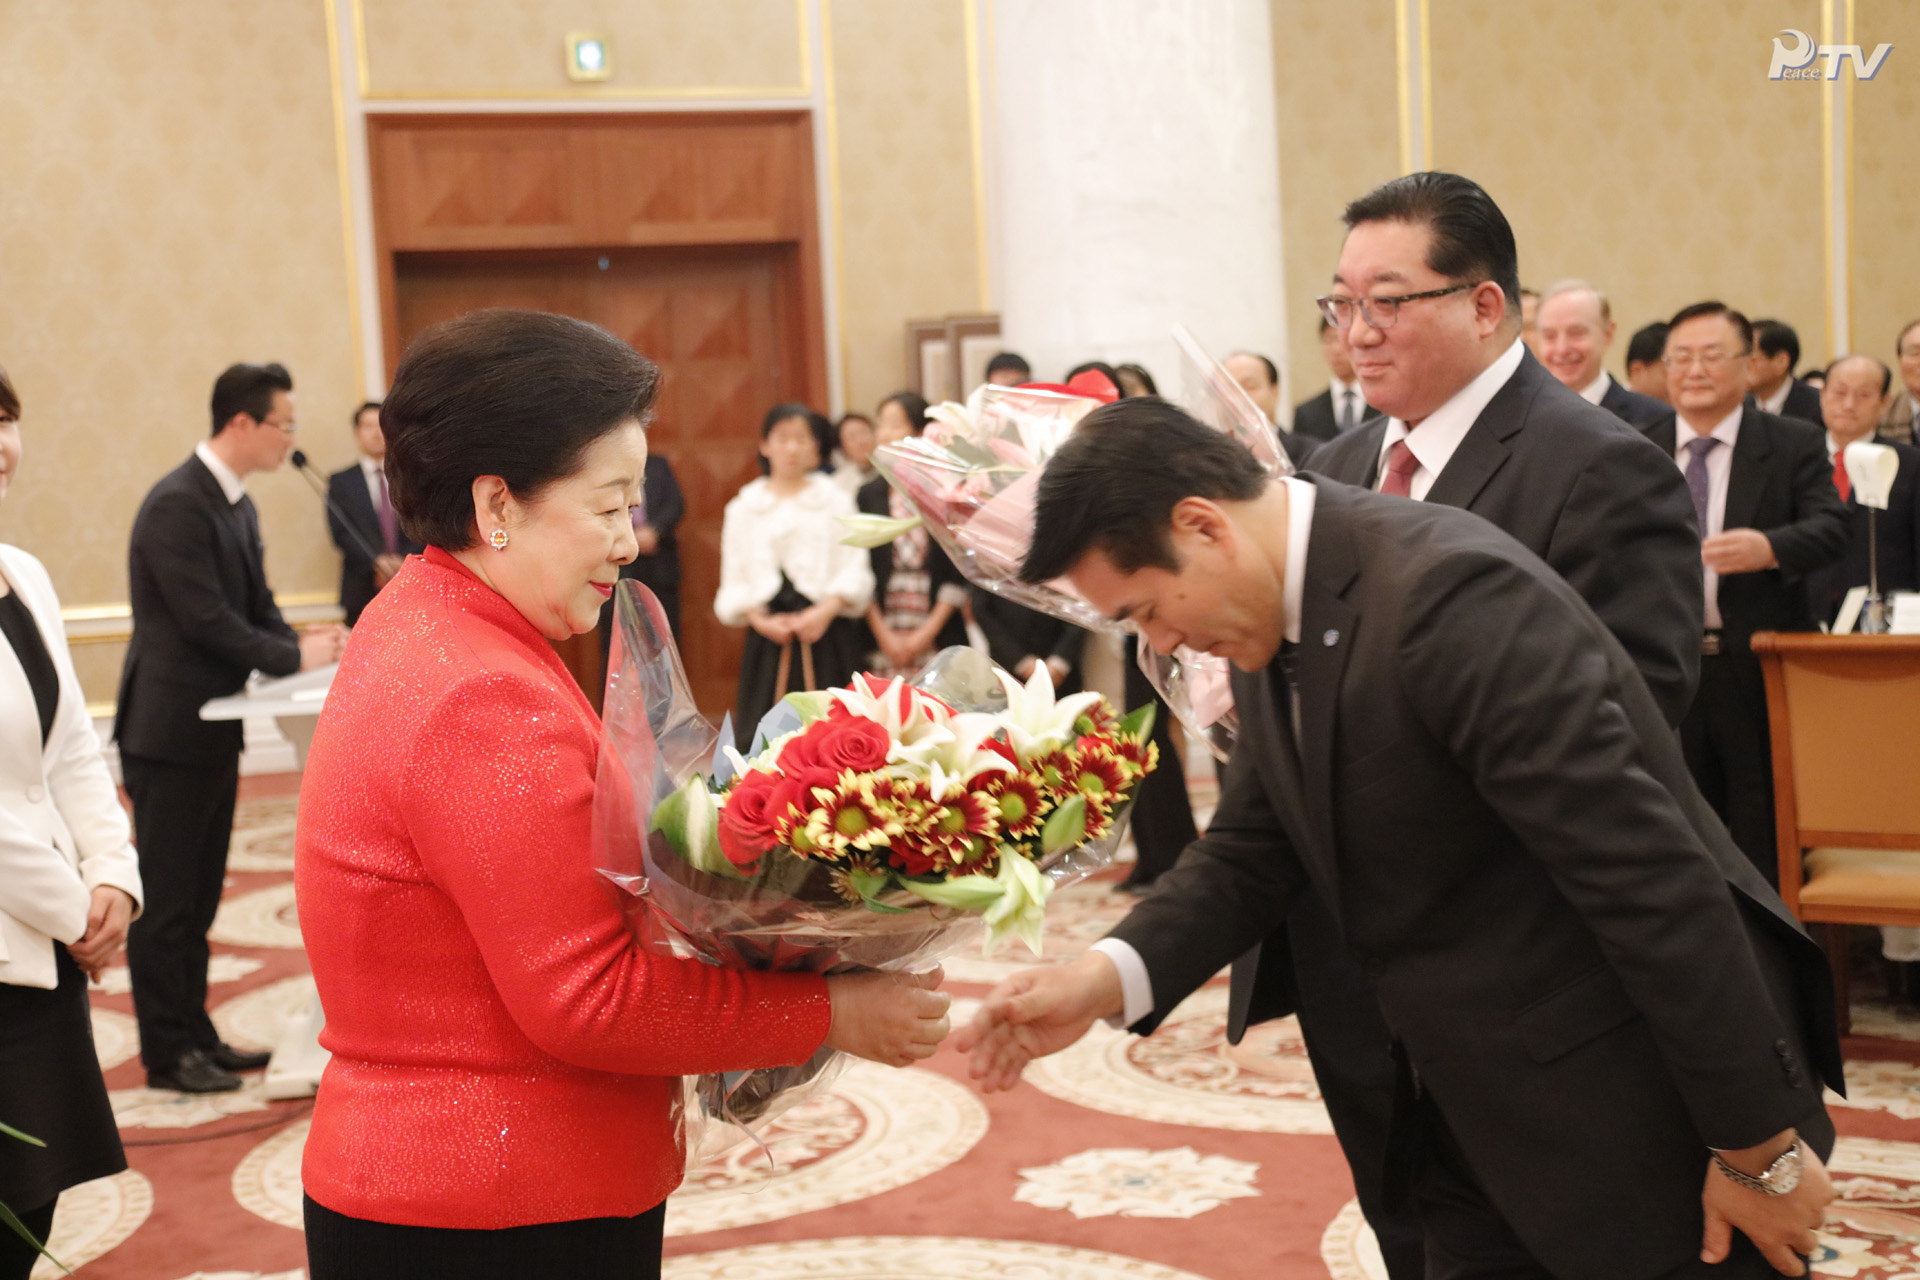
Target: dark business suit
[[1581, 489], [353, 522], [1781, 483], [1587, 983], [1899, 543], [1014, 632], [203, 620], [1633, 408], [658, 571], [1803, 402], [1318, 418]]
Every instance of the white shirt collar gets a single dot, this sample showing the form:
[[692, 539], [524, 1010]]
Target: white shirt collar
[[1300, 499], [1596, 391], [1441, 431], [1340, 388], [1778, 400], [1726, 431], [230, 484]]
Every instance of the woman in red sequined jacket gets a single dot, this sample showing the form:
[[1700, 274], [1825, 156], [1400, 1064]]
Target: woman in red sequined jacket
[[504, 1054]]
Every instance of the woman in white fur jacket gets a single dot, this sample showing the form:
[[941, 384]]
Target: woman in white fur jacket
[[69, 886]]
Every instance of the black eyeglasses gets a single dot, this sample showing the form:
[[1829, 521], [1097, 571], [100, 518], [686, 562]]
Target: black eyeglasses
[[1378, 312]]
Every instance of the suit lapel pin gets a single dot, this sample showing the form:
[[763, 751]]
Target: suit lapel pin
[[1330, 639]]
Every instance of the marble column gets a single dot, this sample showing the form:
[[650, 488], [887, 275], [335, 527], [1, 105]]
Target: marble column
[[1134, 180]]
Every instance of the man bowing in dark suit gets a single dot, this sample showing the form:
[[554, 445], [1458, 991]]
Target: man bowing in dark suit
[[1851, 402], [1576, 329], [1763, 495], [1425, 298], [203, 621], [361, 518], [1608, 1034]]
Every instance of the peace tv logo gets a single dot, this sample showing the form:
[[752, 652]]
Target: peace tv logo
[[1797, 57]]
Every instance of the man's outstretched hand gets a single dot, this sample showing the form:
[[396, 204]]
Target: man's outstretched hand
[[1037, 1012]]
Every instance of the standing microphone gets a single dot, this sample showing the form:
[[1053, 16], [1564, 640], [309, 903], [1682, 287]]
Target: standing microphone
[[314, 478]]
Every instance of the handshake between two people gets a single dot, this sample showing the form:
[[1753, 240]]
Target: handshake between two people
[[900, 1019]]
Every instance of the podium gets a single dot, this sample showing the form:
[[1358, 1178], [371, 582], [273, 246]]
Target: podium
[[294, 704]]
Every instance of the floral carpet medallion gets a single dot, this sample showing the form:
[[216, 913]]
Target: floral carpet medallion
[[873, 1129], [1893, 1087], [165, 1109], [118, 981], [258, 1020], [1349, 1249], [914, 1258], [1077, 917], [1132, 1182], [1187, 1073], [263, 835], [116, 1037], [263, 918], [94, 1218], [267, 1181]]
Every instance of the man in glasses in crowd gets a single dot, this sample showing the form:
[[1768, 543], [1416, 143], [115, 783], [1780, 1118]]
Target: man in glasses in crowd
[[1426, 298]]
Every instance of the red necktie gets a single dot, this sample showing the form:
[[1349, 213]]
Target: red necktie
[[1840, 479], [1401, 464]]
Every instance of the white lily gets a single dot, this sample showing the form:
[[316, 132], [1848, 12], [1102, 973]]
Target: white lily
[[1035, 722]]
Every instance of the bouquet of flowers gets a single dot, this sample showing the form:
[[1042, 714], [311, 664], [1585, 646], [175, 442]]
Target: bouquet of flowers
[[972, 477], [877, 826]]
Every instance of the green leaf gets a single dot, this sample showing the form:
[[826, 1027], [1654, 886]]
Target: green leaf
[[1066, 826], [868, 532], [815, 705], [870, 885], [1138, 723], [20, 1228], [27, 1138], [690, 822], [963, 893]]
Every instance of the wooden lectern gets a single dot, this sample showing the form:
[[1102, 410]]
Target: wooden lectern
[[1844, 716]]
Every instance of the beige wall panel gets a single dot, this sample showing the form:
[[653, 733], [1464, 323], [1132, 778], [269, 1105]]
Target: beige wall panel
[[1333, 82], [171, 205], [1886, 178], [1641, 145], [506, 48], [908, 241]]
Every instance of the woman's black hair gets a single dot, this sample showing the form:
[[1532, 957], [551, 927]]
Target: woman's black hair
[[501, 392]]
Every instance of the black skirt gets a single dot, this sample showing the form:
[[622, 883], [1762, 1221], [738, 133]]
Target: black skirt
[[836, 656], [343, 1248], [50, 1087]]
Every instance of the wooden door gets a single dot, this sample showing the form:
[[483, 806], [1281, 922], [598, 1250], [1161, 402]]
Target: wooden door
[[707, 317]]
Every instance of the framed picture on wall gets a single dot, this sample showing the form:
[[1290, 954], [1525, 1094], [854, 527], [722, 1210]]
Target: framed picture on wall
[[947, 359]]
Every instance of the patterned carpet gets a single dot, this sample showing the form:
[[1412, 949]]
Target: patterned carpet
[[1177, 1157]]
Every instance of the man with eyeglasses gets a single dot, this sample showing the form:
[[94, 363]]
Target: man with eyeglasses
[[1427, 300], [1763, 493], [204, 620]]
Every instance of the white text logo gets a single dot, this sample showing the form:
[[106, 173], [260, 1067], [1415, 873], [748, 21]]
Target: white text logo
[[1797, 57]]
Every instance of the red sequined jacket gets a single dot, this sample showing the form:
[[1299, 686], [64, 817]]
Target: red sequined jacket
[[503, 1053]]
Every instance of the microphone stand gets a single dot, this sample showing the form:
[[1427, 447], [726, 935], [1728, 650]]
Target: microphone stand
[[319, 484], [1873, 611]]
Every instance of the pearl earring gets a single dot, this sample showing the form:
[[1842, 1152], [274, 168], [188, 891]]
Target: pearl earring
[[499, 539]]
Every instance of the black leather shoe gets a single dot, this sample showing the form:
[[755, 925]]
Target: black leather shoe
[[195, 1072], [228, 1058]]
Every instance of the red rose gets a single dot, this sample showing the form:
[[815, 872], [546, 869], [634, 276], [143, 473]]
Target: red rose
[[794, 792], [746, 820], [855, 743], [802, 752]]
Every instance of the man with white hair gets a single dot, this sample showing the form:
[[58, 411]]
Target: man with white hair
[[1851, 403], [1576, 329]]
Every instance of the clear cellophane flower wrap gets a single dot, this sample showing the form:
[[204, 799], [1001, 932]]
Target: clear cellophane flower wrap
[[918, 820], [972, 477]]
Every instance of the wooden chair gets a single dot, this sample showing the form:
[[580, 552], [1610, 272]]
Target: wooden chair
[[1844, 716]]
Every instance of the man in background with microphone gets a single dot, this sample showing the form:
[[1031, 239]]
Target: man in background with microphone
[[361, 518], [204, 620]]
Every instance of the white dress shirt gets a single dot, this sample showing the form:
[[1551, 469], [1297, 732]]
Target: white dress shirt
[[1135, 985], [1348, 393], [1719, 468], [1441, 431], [1777, 401], [1596, 391], [230, 484], [371, 471], [764, 535]]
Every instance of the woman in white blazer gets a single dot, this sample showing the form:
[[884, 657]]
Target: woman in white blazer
[[785, 574], [69, 886]]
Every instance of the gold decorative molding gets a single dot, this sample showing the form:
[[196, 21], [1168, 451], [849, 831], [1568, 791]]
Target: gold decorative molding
[[340, 151], [804, 89], [1406, 27], [831, 127], [971, 10]]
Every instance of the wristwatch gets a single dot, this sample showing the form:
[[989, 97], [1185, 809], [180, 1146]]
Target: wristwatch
[[1777, 1179]]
